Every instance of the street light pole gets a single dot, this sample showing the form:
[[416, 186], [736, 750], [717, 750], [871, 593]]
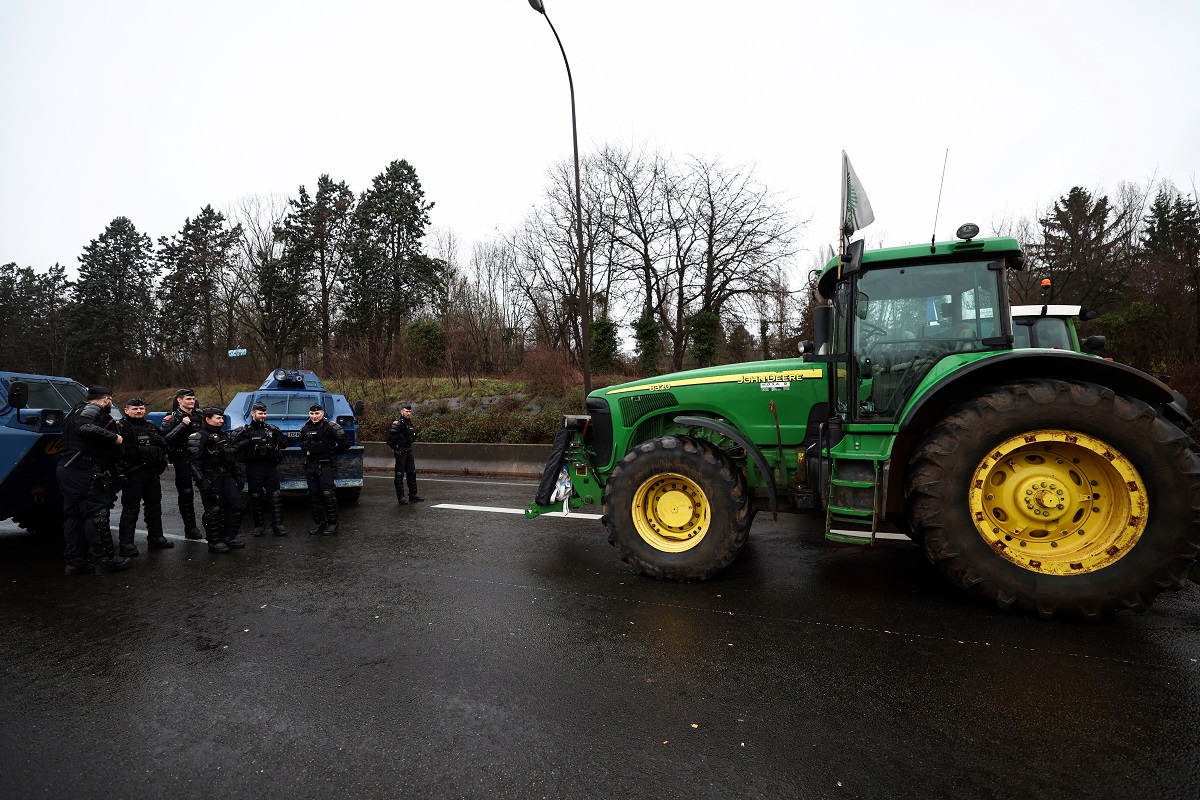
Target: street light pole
[[585, 308]]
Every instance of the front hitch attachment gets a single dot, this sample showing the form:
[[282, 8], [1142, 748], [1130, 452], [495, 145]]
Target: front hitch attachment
[[569, 480]]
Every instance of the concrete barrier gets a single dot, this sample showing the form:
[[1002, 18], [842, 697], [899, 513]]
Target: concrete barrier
[[509, 460]]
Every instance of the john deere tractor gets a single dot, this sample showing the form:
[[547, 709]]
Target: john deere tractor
[[1041, 479]]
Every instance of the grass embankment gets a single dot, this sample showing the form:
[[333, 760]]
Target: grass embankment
[[487, 411]]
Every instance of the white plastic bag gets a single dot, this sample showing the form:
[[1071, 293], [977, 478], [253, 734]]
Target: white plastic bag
[[562, 491]]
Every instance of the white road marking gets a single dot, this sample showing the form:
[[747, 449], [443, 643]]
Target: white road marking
[[456, 480], [496, 510], [878, 535]]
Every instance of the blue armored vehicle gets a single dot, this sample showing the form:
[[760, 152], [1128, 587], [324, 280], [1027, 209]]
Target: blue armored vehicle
[[32, 410], [288, 394]]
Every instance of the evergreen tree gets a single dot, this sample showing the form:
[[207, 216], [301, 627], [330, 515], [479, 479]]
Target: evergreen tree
[[1171, 243], [35, 334], [318, 237], [1081, 250], [603, 345], [648, 344], [704, 333], [196, 265], [391, 280], [114, 311]]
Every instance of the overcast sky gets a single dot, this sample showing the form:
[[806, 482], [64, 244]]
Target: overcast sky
[[153, 109]]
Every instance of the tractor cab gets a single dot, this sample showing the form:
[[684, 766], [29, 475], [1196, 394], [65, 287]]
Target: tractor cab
[[899, 313]]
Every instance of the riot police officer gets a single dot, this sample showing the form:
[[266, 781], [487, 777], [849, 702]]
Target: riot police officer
[[214, 467], [91, 446], [322, 440], [143, 459], [259, 444], [182, 422], [400, 438]]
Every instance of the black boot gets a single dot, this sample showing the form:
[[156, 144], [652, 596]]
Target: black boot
[[156, 540], [318, 515], [101, 521], [125, 528], [214, 529], [233, 527], [110, 564], [256, 513], [277, 513], [187, 510], [79, 566], [331, 513]]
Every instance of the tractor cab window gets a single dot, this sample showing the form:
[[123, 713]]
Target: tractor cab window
[[906, 319], [841, 305], [1050, 332]]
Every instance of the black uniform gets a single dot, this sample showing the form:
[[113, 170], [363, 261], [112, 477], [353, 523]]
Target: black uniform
[[259, 444], [176, 433], [87, 483], [400, 438], [214, 468], [143, 459], [321, 442]]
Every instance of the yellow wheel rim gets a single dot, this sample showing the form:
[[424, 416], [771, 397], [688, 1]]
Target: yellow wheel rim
[[1058, 502], [671, 512]]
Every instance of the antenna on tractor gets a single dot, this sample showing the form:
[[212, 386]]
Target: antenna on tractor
[[938, 210]]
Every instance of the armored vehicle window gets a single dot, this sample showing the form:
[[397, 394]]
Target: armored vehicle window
[[45, 394], [287, 405]]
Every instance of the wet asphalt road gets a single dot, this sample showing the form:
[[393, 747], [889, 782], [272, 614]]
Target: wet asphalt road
[[434, 652]]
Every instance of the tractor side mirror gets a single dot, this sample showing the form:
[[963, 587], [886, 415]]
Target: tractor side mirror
[[852, 261], [18, 394], [822, 330]]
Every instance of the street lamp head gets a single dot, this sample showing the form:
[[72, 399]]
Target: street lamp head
[[538, 6]]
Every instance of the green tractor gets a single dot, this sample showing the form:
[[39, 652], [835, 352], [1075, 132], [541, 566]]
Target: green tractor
[[1042, 480]]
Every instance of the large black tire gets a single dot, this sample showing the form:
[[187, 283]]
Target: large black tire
[[746, 510], [45, 520], [1057, 498], [677, 508]]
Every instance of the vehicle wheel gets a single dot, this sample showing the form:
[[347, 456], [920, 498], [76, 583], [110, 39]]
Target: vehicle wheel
[[349, 494], [1059, 498], [42, 520], [675, 509], [746, 510]]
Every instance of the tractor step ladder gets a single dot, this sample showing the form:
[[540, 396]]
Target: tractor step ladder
[[858, 516]]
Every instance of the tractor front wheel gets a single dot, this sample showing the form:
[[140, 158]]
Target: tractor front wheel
[[676, 508], [1057, 498]]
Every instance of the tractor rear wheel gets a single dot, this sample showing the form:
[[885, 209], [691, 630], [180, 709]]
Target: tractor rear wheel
[[675, 508], [1057, 498]]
